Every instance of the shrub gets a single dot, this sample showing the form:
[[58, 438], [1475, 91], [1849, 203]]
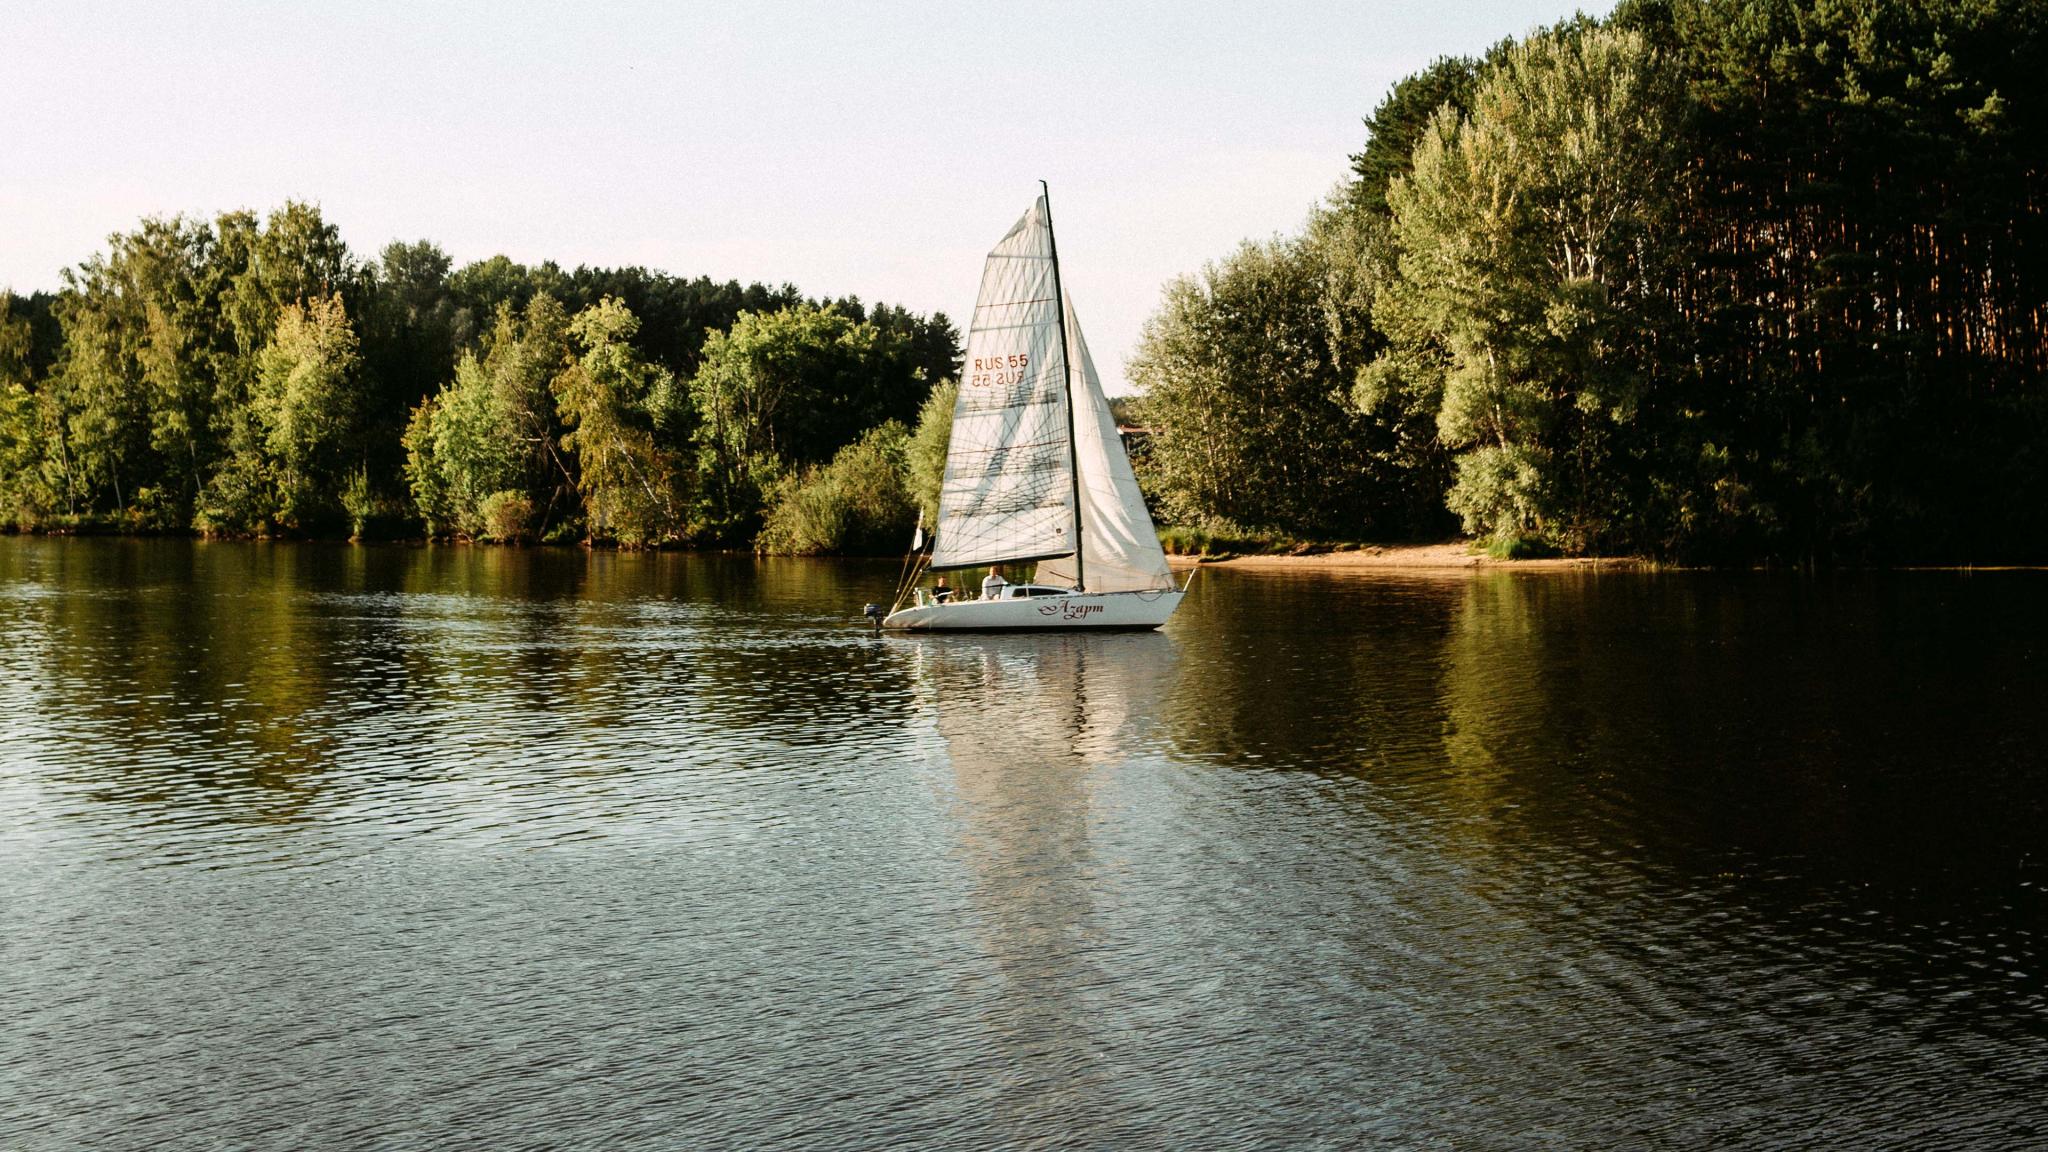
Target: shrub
[[925, 456], [505, 516], [857, 504], [1215, 545], [1520, 548], [239, 499], [358, 502]]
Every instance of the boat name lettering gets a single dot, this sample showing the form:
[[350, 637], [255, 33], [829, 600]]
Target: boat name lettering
[[1069, 611]]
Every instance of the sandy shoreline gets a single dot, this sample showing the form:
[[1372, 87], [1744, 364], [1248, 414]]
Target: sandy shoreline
[[1453, 556]]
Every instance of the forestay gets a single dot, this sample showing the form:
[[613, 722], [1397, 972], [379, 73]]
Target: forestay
[[1009, 489]]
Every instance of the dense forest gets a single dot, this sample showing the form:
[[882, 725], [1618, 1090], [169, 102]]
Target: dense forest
[[1713, 280], [1710, 280], [247, 376]]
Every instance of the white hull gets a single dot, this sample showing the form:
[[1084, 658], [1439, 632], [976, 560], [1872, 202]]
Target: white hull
[[1090, 610]]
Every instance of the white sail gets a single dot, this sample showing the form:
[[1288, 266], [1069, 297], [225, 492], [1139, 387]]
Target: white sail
[[1119, 549], [1009, 491]]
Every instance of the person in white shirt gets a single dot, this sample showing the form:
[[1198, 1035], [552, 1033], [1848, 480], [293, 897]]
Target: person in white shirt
[[992, 585]]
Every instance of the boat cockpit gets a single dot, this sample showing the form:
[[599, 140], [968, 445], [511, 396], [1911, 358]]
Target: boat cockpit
[[1026, 591], [1006, 592]]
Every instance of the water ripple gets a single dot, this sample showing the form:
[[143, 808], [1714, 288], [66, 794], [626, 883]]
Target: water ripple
[[366, 848]]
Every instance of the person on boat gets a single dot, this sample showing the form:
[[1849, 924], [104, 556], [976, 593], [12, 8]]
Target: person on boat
[[942, 592], [992, 585]]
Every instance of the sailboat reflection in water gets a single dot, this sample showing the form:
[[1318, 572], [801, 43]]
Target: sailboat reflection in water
[[1037, 733], [1036, 472]]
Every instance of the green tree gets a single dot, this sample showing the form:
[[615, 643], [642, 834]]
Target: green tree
[[288, 446], [146, 345], [411, 330], [158, 391], [788, 389], [632, 491], [27, 432], [1244, 382], [523, 357], [28, 496], [105, 421], [296, 257], [492, 429], [425, 476], [1863, 252], [154, 292], [1401, 120], [924, 455], [477, 446], [1526, 306], [306, 401], [17, 342]]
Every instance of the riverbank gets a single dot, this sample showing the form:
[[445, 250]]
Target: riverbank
[[1452, 556], [1449, 556]]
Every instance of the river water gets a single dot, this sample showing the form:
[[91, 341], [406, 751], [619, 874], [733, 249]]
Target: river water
[[310, 846]]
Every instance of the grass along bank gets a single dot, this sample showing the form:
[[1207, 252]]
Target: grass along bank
[[1441, 557]]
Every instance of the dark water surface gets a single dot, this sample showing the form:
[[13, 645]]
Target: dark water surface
[[328, 847]]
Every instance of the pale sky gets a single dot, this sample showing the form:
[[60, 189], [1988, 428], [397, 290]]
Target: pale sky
[[874, 149]]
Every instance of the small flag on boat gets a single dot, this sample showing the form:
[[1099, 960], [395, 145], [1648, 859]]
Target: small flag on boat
[[917, 536]]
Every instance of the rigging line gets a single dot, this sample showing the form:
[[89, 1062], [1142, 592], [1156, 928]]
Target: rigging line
[[986, 561], [1032, 480], [980, 328], [903, 580], [1035, 494], [1012, 406], [914, 562], [1008, 516], [990, 519], [1036, 398], [979, 306], [1030, 484], [979, 464], [1018, 448], [998, 406], [1004, 502], [904, 586], [1029, 473], [1007, 507]]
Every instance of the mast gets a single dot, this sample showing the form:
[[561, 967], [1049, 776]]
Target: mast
[[1067, 370]]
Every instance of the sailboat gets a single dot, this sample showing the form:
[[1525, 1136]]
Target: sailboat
[[1036, 473]]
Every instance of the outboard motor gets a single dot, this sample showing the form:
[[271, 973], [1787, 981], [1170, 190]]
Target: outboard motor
[[873, 612]]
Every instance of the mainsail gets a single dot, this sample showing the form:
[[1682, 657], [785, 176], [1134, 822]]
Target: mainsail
[[1011, 491]]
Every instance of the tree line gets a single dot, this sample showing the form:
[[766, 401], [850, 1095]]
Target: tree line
[[252, 376], [1714, 280]]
